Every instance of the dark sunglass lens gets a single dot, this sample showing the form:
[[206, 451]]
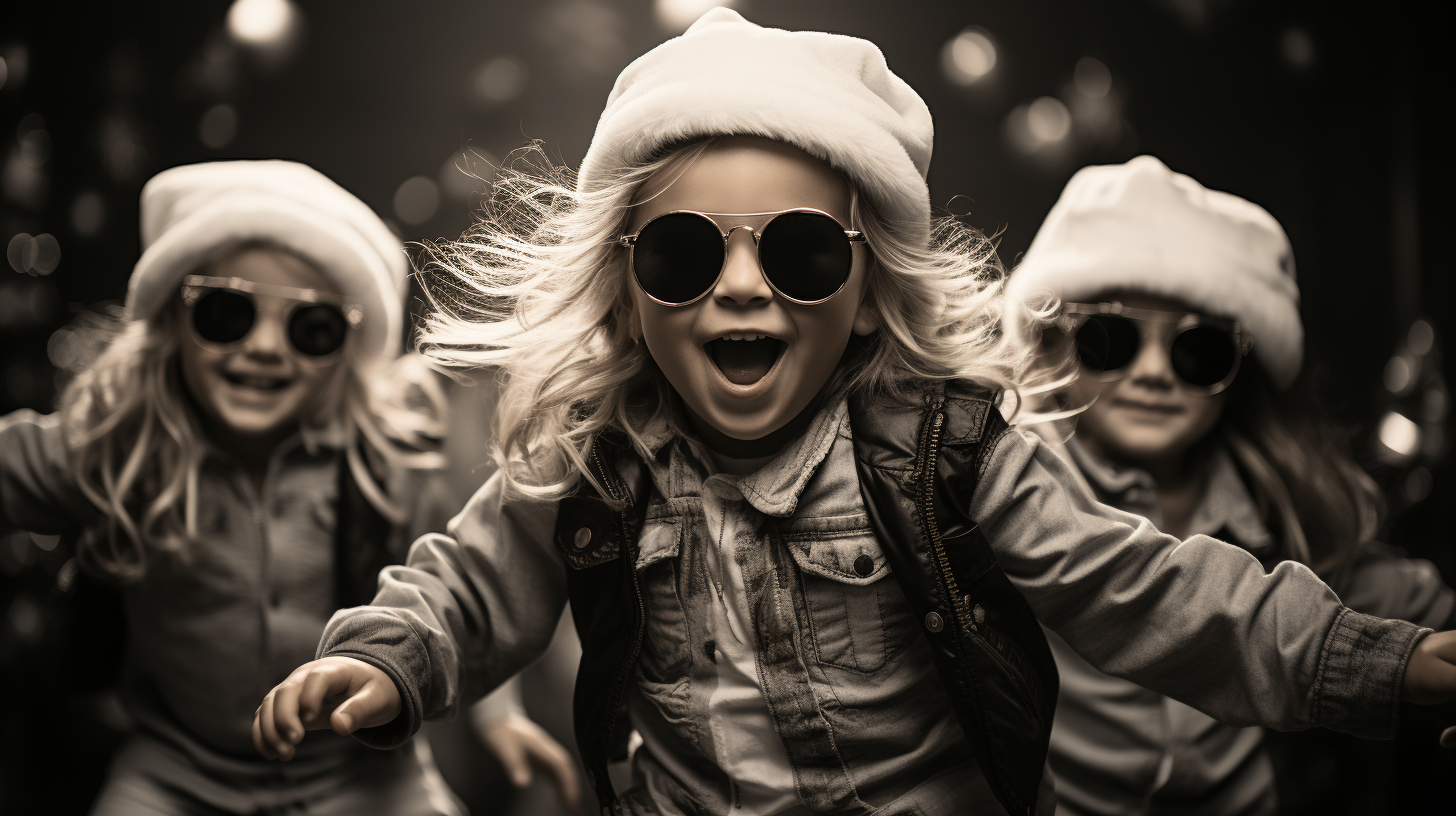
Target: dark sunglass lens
[[1203, 355], [677, 257], [220, 316], [1107, 342], [317, 330], [806, 255]]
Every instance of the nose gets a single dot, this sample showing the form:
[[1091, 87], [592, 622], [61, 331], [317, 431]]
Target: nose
[[742, 281], [1152, 368], [267, 340]]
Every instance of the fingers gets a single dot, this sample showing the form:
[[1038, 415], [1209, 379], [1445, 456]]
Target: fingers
[[313, 693], [376, 703], [261, 744], [285, 719], [511, 751], [280, 748], [562, 769]]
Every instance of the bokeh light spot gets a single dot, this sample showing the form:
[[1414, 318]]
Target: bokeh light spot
[[1298, 48], [261, 22], [466, 172], [677, 15], [1398, 375], [1092, 78], [1421, 337], [968, 56], [498, 80], [1399, 435], [218, 126], [88, 214], [416, 200], [1048, 119]]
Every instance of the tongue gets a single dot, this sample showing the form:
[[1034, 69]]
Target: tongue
[[745, 362]]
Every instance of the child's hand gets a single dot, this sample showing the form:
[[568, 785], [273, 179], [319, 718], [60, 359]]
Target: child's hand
[[337, 692], [518, 742], [1431, 675]]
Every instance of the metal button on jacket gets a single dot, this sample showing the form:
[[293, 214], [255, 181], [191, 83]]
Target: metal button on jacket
[[934, 622], [863, 566], [582, 538]]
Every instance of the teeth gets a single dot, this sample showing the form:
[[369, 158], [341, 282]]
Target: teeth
[[745, 336]]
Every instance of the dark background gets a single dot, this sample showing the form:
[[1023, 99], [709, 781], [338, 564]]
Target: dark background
[[1331, 116]]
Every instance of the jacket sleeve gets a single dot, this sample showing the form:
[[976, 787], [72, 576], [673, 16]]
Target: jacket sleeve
[[467, 611], [1381, 580], [37, 491], [1197, 620]]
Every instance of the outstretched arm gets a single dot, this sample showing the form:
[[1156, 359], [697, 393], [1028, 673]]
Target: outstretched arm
[[37, 490], [1197, 620], [467, 611]]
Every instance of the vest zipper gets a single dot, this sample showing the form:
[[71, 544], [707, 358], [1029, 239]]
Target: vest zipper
[[619, 689], [957, 612]]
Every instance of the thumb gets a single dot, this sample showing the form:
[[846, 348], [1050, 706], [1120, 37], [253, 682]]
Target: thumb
[[513, 759], [364, 709]]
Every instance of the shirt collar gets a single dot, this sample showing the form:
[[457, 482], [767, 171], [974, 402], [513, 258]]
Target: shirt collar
[[773, 489], [1227, 509]]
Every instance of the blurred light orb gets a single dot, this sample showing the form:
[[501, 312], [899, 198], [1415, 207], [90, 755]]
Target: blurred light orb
[[1399, 435], [218, 126], [1048, 120], [1417, 485], [1298, 48], [14, 65], [63, 348], [1434, 405], [15, 251], [261, 22], [1421, 337], [1092, 78], [43, 254], [498, 80], [88, 214], [466, 172], [416, 200], [968, 56], [45, 542], [25, 619], [1399, 375], [677, 15]]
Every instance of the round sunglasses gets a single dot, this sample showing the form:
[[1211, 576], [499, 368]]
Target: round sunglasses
[[1204, 351], [225, 310], [805, 254]]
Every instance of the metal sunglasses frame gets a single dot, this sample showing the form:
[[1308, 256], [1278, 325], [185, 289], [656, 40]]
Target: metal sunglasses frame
[[1074, 316], [630, 242], [193, 287]]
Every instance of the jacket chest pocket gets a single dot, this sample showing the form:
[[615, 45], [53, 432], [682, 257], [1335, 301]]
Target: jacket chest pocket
[[857, 614], [665, 650]]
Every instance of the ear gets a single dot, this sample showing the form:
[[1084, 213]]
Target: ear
[[865, 320]]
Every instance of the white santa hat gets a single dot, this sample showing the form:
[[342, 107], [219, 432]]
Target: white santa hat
[[827, 94], [193, 213], [1141, 227]]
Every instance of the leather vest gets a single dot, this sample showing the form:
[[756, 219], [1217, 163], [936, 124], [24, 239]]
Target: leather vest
[[918, 465]]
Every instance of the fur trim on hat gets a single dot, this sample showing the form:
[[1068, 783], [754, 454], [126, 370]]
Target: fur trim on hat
[[190, 214], [1141, 227], [830, 95]]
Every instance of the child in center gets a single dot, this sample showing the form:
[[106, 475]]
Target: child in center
[[748, 427]]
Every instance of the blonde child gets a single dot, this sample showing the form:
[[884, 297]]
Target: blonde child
[[1181, 304], [748, 427], [241, 460]]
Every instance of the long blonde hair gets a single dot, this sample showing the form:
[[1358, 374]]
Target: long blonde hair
[[137, 447], [537, 291]]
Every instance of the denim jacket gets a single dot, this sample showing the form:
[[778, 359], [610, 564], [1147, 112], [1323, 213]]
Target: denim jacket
[[838, 653], [1119, 748], [208, 637]]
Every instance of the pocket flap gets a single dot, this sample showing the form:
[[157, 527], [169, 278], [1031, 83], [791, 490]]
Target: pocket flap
[[841, 548]]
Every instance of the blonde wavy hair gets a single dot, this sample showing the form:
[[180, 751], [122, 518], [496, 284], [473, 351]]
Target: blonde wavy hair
[[137, 447], [538, 292]]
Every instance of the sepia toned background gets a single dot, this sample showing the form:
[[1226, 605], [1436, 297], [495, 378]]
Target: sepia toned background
[[1333, 121]]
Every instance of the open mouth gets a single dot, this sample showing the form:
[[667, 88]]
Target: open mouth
[[256, 382], [745, 358]]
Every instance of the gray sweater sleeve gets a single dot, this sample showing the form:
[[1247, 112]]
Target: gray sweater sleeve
[[1196, 620], [1382, 580], [37, 490], [465, 613]]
